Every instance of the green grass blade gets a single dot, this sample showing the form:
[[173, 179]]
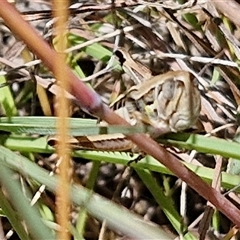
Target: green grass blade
[[82, 218], [39, 145], [12, 216], [6, 99], [165, 202], [117, 218], [77, 126], [203, 144], [28, 213]]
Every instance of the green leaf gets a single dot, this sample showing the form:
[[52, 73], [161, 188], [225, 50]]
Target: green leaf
[[192, 20]]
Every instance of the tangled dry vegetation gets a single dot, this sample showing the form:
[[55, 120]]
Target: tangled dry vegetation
[[105, 39]]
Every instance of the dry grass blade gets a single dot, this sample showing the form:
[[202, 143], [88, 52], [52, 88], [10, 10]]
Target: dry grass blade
[[62, 196]]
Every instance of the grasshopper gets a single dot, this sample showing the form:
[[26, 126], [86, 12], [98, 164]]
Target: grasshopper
[[169, 102]]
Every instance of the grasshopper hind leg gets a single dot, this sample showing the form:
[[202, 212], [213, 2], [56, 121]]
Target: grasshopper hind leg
[[137, 159]]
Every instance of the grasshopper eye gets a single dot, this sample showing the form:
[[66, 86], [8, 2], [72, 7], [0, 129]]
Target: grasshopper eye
[[195, 82], [120, 57]]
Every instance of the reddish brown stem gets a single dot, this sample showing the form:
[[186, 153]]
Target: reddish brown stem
[[91, 102]]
